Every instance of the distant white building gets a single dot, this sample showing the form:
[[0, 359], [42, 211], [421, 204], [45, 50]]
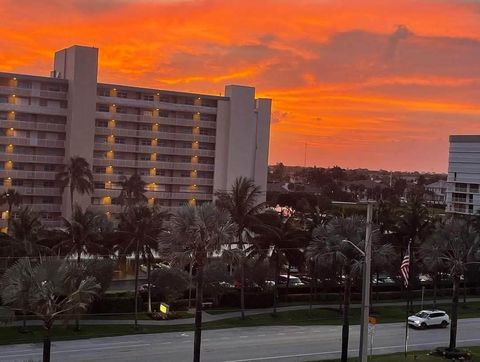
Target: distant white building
[[464, 175], [437, 192]]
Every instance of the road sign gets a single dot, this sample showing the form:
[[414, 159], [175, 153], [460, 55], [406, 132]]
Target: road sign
[[164, 308]]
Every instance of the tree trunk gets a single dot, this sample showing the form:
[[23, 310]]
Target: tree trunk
[[9, 220], [312, 274], [198, 315], [275, 286], [346, 322], [465, 288], [46, 345], [454, 319], [190, 276], [24, 321], [77, 313], [149, 286], [288, 283], [435, 286], [242, 288], [137, 267]]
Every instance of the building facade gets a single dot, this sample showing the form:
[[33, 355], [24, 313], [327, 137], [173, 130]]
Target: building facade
[[185, 146], [463, 181]]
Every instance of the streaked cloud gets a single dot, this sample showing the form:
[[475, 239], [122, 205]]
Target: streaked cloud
[[374, 83]]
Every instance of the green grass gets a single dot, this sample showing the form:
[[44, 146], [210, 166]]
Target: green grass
[[318, 316], [412, 356]]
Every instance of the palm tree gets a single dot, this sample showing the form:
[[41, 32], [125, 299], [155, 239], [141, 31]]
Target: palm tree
[[77, 176], [335, 244], [459, 245], [431, 254], [27, 234], [44, 290], [11, 198], [85, 229], [198, 231], [242, 205], [133, 190], [281, 239], [138, 232], [414, 225]]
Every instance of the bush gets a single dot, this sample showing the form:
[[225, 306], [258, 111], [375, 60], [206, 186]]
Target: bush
[[456, 355], [252, 300], [114, 304], [170, 284]]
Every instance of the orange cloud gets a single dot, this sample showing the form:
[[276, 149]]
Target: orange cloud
[[371, 83]]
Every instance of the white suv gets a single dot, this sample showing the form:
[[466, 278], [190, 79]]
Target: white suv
[[429, 318]]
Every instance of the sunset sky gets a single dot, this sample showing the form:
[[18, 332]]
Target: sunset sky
[[366, 83]]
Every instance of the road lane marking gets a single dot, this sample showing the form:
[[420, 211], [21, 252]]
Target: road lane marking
[[332, 352], [75, 350]]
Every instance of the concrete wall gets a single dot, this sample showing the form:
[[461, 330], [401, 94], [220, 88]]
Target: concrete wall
[[79, 66], [242, 138]]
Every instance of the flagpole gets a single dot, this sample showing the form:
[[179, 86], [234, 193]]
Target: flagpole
[[406, 267]]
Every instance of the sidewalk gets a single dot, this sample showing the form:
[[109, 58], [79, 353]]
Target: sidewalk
[[249, 312]]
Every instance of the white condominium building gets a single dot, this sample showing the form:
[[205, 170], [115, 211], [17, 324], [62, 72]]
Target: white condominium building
[[464, 175], [185, 146]]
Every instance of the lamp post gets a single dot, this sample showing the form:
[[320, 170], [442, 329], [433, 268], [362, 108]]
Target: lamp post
[[367, 254], [363, 350]]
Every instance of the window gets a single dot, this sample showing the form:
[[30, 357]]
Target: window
[[102, 123], [49, 167], [103, 108], [148, 97], [43, 102], [47, 200], [123, 110], [41, 135], [48, 184], [3, 99], [121, 94], [18, 166], [119, 140], [474, 188], [17, 182], [163, 113], [145, 142], [104, 92]]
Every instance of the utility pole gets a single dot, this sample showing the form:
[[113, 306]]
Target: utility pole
[[305, 156], [363, 356]]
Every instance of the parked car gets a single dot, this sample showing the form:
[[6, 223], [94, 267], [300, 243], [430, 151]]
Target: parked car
[[429, 318]]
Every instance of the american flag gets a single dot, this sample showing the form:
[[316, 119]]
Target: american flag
[[405, 267]]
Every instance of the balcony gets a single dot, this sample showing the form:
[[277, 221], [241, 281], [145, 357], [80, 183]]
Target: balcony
[[34, 191], [122, 132], [171, 121], [162, 180], [33, 175], [105, 208], [32, 125], [29, 92], [33, 109], [140, 103], [45, 207], [179, 151], [56, 160], [35, 142]]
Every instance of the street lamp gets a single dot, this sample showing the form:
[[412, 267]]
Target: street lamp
[[367, 255]]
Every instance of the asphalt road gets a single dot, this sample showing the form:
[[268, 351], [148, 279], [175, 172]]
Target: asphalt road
[[279, 343]]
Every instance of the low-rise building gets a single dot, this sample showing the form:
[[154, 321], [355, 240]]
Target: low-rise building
[[184, 145], [463, 181]]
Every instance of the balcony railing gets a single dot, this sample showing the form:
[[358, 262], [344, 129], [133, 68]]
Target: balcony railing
[[164, 180], [179, 151], [32, 125], [33, 175], [32, 142], [57, 111], [105, 131], [55, 160], [171, 121]]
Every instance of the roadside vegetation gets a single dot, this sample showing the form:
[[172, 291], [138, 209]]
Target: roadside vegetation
[[236, 253]]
